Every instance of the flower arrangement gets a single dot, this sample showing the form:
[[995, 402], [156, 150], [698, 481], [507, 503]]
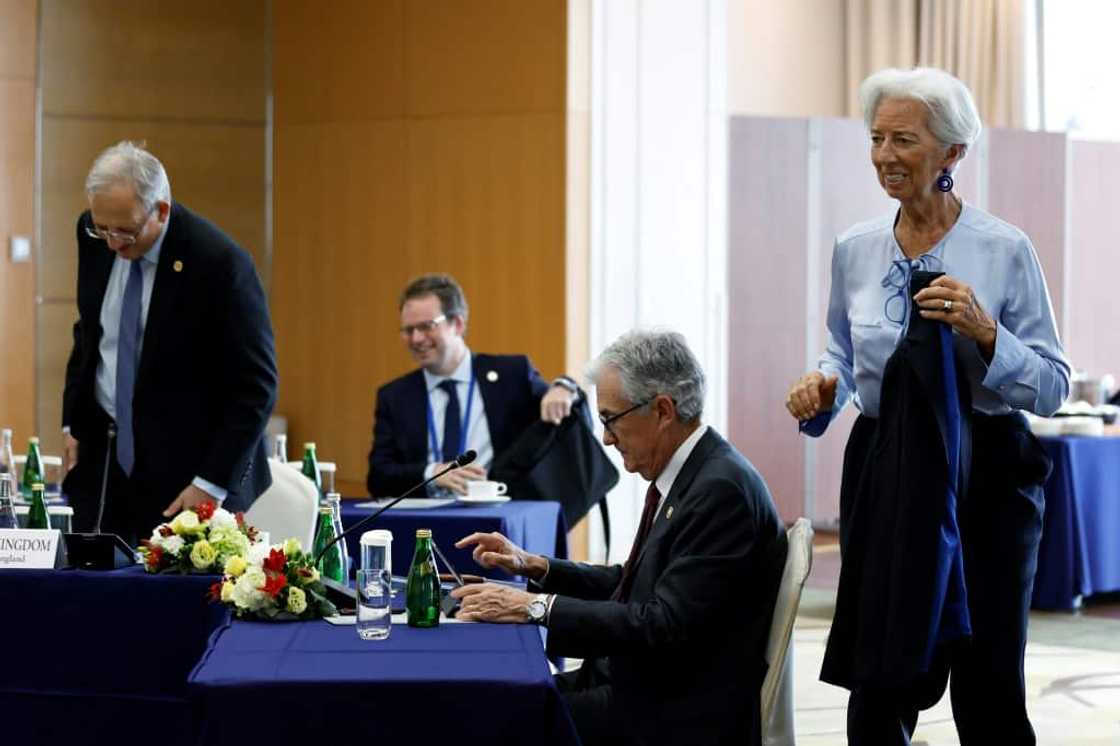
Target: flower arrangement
[[202, 540], [284, 585]]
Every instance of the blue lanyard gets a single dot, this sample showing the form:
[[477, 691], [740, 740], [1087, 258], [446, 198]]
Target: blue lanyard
[[437, 452]]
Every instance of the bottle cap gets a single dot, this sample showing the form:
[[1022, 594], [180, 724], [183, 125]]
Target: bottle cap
[[33, 439], [423, 533], [309, 445], [378, 537]]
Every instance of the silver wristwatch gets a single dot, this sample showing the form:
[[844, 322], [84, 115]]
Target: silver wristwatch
[[538, 608]]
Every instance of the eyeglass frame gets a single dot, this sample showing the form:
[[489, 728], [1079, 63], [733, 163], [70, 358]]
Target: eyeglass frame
[[606, 421], [127, 239], [424, 327]]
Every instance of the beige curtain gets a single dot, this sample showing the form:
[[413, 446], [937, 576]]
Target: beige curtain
[[982, 42]]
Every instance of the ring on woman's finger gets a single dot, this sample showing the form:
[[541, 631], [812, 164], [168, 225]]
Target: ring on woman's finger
[[947, 305]]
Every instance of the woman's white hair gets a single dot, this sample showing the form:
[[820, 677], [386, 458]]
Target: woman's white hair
[[953, 118], [655, 362], [128, 163]]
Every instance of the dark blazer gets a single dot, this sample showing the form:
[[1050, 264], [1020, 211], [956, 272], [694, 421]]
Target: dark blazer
[[400, 426], [207, 379], [686, 653]]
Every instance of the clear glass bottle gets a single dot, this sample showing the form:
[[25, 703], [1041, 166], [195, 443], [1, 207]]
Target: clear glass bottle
[[422, 593], [38, 516], [281, 453], [33, 468], [7, 502], [7, 457]]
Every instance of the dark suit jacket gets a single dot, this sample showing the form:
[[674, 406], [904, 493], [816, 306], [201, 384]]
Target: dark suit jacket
[[686, 653], [400, 427], [207, 379]]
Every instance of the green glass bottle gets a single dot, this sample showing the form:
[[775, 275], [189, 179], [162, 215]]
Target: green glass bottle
[[33, 468], [422, 593], [331, 565], [37, 517], [310, 468]]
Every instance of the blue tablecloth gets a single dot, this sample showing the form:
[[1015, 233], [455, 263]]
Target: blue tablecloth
[[310, 681], [1080, 550], [537, 527], [100, 657]]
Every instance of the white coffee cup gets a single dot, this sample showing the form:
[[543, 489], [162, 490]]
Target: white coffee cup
[[485, 489]]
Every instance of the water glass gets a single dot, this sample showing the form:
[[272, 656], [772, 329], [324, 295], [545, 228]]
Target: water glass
[[375, 613]]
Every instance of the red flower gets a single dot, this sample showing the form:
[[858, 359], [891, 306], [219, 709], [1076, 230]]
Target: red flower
[[205, 510], [274, 583], [216, 591], [155, 556], [240, 516], [275, 561]]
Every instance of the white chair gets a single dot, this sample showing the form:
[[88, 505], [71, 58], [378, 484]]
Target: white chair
[[777, 687], [287, 509], [326, 471]]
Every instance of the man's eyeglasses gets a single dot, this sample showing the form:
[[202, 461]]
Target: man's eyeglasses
[[608, 420], [424, 327], [126, 237]]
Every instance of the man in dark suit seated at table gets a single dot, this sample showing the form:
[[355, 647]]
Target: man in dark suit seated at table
[[419, 427], [174, 345], [673, 640]]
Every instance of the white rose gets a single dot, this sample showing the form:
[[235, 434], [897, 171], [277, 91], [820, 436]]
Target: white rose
[[247, 593], [258, 553], [172, 544], [222, 519]]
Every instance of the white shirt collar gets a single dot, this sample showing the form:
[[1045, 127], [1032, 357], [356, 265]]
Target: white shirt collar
[[462, 374], [669, 474]]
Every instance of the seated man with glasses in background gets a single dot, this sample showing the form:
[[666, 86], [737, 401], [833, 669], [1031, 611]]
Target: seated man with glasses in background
[[456, 401]]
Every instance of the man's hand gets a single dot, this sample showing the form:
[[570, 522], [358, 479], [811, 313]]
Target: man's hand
[[490, 602], [495, 550], [188, 498], [557, 404], [69, 453], [456, 479]]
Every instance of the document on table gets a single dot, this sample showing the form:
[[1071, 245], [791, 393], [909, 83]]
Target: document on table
[[409, 503]]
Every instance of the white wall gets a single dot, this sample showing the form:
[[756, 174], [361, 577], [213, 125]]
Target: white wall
[[658, 194]]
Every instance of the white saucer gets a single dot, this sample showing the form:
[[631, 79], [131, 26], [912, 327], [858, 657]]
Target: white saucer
[[484, 500]]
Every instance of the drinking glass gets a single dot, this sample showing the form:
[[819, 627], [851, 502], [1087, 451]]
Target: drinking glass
[[375, 614]]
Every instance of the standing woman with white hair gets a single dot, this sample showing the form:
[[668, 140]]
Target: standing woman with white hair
[[1004, 346]]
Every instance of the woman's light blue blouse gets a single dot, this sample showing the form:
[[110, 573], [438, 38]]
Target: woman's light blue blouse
[[870, 301]]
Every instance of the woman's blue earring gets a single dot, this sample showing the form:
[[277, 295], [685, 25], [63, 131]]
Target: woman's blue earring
[[945, 181]]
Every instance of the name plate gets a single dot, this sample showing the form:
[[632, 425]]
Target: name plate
[[28, 549]]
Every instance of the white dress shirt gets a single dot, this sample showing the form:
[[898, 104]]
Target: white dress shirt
[[477, 429]]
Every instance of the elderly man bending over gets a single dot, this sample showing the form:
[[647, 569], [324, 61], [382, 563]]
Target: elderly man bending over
[[673, 640]]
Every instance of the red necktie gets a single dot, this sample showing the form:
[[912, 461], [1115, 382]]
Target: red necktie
[[653, 497]]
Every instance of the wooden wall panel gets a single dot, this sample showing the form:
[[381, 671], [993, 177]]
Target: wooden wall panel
[[193, 86], [17, 191], [767, 206], [205, 60], [410, 138], [1094, 315], [485, 56]]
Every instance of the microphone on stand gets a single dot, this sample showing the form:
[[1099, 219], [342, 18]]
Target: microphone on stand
[[460, 461], [98, 551]]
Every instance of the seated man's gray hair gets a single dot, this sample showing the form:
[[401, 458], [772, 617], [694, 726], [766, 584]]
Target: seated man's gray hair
[[655, 362]]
